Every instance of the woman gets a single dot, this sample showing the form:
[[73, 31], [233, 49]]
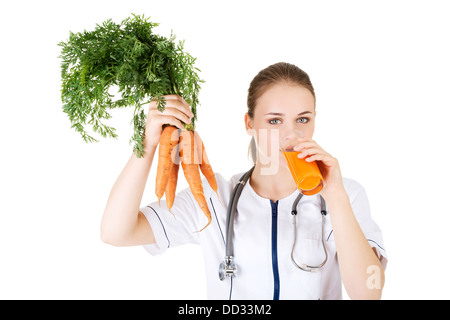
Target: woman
[[280, 98]]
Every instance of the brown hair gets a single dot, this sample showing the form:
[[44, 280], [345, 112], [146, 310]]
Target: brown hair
[[281, 72]]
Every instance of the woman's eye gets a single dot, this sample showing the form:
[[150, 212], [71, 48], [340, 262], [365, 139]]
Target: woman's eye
[[303, 120], [274, 121], [278, 121]]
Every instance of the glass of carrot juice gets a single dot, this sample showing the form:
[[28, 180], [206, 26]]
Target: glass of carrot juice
[[306, 175]]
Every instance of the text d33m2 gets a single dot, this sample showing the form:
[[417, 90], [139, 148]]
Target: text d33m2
[[247, 309]]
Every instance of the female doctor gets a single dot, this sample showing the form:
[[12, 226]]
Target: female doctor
[[281, 97]]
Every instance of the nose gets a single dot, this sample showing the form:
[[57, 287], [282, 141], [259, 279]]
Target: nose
[[290, 138], [292, 133]]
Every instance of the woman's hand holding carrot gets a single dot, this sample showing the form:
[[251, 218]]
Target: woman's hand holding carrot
[[122, 223], [176, 111], [163, 128]]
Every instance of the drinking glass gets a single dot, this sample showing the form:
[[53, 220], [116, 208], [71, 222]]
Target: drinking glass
[[306, 175]]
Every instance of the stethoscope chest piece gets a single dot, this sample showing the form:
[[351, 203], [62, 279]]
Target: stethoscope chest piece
[[227, 269]]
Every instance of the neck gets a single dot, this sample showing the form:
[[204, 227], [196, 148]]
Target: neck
[[272, 186]]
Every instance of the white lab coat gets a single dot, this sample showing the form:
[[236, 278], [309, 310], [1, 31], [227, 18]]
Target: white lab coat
[[263, 238]]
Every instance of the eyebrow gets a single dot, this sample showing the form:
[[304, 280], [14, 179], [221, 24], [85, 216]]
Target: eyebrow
[[282, 114]]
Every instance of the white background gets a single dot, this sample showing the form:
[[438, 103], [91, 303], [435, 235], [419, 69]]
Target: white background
[[381, 73]]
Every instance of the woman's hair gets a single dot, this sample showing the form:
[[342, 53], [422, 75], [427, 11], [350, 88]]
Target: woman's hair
[[278, 73]]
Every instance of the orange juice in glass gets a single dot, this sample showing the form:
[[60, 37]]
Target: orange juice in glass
[[306, 175]]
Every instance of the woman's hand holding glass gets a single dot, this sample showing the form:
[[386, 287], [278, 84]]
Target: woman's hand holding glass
[[328, 165]]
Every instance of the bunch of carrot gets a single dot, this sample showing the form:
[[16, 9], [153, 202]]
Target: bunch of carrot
[[186, 147]]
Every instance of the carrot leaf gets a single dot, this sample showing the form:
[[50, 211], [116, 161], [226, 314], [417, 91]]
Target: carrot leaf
[[129, 58]]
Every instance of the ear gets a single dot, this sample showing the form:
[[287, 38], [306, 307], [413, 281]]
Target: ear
[[248, 124]]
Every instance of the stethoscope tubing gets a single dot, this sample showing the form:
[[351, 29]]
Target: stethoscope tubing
[[232, 211], [227, 268], [306, 267]]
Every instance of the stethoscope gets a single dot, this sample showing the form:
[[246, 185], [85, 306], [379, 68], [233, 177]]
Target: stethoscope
[[228, 268]]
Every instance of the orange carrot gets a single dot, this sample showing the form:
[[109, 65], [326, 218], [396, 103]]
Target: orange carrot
[[189, 162], [168, 140], [172, 186], [205, 165]]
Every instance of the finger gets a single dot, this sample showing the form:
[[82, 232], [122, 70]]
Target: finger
[[169, 99], [171, 121], [173, 100], [324, 158], [177, 98], [313, 158], [175, 108], [306, 145], [309, 152], [303, 145], [177, 114]]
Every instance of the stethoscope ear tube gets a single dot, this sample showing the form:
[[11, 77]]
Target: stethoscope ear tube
[[227, 268], [232, 211]]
